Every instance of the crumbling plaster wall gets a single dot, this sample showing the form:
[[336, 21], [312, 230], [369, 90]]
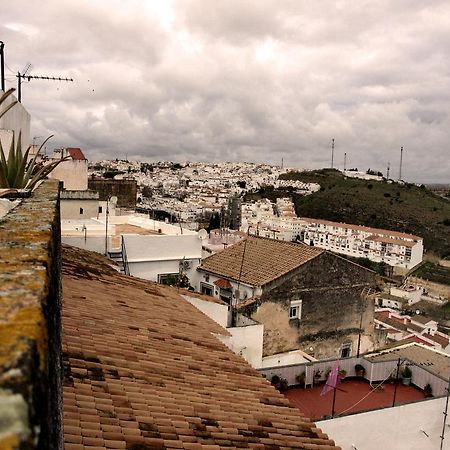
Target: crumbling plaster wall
[[30, 337], [330, 289]]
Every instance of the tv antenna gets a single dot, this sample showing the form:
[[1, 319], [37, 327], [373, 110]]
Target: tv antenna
[[24, 75], [332, 153]]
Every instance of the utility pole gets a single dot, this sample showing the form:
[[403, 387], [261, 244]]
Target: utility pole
[[345, 161], [332, 153], [387, 171]]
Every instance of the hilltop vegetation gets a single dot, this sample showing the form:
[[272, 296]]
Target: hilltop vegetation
[[402, 207]]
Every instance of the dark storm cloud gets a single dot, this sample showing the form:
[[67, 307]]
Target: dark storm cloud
[[254, 80]]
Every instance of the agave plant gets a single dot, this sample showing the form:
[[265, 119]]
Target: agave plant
[[15, 171]]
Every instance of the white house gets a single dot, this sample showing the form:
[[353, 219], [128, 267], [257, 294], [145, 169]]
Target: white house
[[73, 172], [152, 250]]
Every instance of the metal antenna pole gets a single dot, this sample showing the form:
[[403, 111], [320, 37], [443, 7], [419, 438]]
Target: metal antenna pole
[[396, 382], [22, 76], [345, 161], [401, 162], [445, 417], [2, 64], [332, 153], [387, 172]]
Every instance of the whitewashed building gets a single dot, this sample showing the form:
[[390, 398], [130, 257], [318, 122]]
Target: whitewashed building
[[391, 247]]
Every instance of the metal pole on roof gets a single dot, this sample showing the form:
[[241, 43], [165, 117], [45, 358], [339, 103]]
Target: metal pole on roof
[[442, 436], [2, 65], [396, 382]]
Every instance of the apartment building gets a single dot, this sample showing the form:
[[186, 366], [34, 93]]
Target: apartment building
[[391, 247]]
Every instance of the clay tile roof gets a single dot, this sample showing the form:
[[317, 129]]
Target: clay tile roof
[[143, 369], [223, 284], [264, 260], [76, 153]]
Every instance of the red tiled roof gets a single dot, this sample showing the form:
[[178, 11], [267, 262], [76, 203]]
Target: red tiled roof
[[76, 153], [223, 284], [143, 369], [257, 261]]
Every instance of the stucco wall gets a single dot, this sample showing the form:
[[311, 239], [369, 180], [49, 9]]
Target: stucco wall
[[70, 209], [16, 119], [73, 174], [30, 337], [217, 312], [330, 289]]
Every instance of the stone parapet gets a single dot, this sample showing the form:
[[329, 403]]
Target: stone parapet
[[30, 337]]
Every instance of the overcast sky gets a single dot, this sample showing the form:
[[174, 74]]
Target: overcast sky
[[240, 80]]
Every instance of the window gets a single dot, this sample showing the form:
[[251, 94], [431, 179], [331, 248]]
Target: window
[[295, 309], [100, 209], [346, 350], [225, 295], [81, 211], [206, 289], [206, 277], [169, 279]]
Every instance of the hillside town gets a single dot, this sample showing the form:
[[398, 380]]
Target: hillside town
[[229, 282]]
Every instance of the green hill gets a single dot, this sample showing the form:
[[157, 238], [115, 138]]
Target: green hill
[[402, 207]]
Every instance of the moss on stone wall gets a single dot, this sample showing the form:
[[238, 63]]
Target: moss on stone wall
[[29, 320]]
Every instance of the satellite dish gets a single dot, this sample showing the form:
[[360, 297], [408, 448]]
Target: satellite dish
[[202, 234], [417, 311], [113, 200]]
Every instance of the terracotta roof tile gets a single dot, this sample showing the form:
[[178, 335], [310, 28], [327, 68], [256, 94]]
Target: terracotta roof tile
[[257, 261], [143, 368]]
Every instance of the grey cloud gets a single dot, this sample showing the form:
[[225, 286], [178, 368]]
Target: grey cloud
[[253, 80]]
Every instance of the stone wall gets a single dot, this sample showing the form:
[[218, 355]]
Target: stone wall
[[124, 190], [330, 289], [30, 338]]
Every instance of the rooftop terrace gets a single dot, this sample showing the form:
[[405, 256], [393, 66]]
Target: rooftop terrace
[[352, 396]]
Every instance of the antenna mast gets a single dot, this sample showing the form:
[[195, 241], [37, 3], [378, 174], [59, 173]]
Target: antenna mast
[[387, 171], [345, 161], [401, 162], [2, 65], [24, 76], [332, 153]]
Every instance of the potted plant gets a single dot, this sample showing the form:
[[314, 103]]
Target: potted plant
[[317, 376], [342, 374], [406, 375], [428, 390], [360, 371], [301, 378]]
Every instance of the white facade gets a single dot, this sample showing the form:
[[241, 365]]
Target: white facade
[[72, 172], [416, 426], [391, 247], [246, 339], [79, 204], [286, 359], [400, 250], [209, 284], [15, 121], [155, 257]]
